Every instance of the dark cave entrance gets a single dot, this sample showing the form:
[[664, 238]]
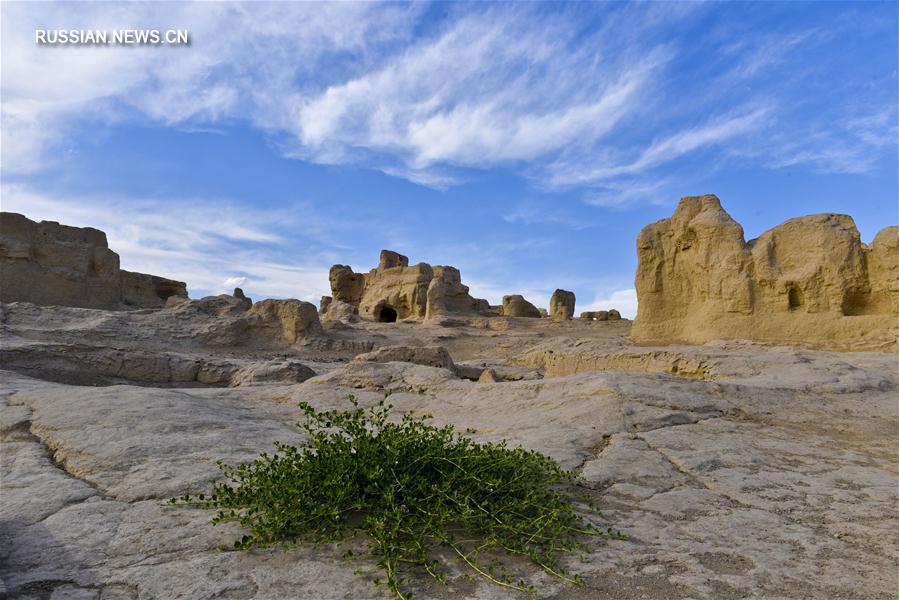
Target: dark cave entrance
[[794, 298], [387, 315]]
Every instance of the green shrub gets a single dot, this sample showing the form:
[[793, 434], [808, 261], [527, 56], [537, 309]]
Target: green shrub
[[410, 488]]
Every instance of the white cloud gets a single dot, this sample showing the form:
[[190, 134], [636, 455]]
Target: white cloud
[[247, 72], [492, 88], [234, 282], [624, 301], [516, 86]]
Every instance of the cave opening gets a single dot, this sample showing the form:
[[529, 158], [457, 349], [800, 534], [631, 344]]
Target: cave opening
[[387, 315], [794, 297]]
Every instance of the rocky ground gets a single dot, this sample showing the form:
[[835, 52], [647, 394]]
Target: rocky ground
[[735, 469]]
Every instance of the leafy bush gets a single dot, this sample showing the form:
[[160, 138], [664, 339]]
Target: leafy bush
[[411, 488]]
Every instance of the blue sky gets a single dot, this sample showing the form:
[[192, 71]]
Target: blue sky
[[525, 143]]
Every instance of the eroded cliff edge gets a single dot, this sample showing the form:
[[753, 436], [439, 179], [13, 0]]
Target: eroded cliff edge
[[809, 281], [51, 264]]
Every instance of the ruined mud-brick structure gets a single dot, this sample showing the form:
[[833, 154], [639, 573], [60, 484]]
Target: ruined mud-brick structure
[[395, 291], [810, 281], [515, 305], [561, 305], [51, 264]]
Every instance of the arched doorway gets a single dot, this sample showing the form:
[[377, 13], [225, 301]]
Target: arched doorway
[[387, 315]]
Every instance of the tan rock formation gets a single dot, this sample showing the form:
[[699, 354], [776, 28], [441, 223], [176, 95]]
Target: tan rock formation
[[808, 281], [812, 264], [345, 284], [51, 264], [84, 364], [447, 295], [514, 305], [430, 356], [395, 291], [601, 315], [561, 305], [339, 310], [390, 259], [883, 273], [213, 306], [291, 320], [148, 291]]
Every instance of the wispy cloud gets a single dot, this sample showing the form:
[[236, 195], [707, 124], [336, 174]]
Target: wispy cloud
[[584, 96], [751, 56], [661, 151], [532, 212], [629, 191], [851, 146], [495, 87]]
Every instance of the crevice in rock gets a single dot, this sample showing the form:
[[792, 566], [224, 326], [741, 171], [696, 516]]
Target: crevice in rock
[[65, 506], [637, 429], [45, 588], [163, 558], [593, 454], [817, 528], [597, 449], [696, 478], [51, 456]]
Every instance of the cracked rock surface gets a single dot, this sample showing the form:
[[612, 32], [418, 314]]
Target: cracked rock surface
[[736, 470]]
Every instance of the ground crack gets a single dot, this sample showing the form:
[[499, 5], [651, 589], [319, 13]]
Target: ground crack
[[818, 529], [594, 452], [51, 456], [637, 430], [696, 478]]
